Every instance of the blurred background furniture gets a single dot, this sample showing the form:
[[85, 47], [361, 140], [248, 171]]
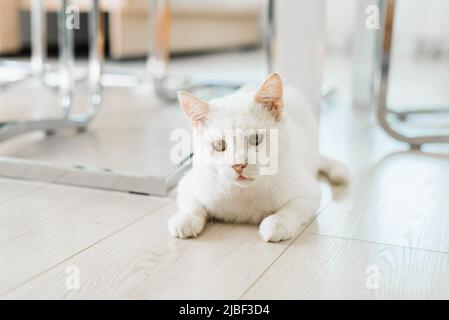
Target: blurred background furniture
[[411, 38], [65, 74], [384, 110], [15, 70], [9, 26], [215, 24]]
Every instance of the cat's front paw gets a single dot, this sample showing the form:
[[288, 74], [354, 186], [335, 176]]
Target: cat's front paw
[[186, 226], [275, 229]]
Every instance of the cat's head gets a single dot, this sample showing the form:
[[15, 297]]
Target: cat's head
[[236, 136]]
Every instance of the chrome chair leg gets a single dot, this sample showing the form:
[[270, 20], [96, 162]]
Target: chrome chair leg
[[384, 44], [158, 62], [95, 62], [38, 38], [37, 65], [403, 115], [66, 119], [158, 58], [269, 34], [158, 52]]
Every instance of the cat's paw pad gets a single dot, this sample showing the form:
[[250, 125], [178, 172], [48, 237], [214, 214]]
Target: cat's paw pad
[[274, 229], [185, 226]]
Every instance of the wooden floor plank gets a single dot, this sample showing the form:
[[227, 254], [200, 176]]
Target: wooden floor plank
[[402, 200], [61, 236], [36, 208], [143, 262], [11, 188], [322, 267], [160, 259]]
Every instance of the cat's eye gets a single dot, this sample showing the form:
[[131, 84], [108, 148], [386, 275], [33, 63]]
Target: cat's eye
[[219, 145], [255, 139]]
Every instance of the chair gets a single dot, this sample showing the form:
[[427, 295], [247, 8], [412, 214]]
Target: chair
[[65, 119], [383, 60]]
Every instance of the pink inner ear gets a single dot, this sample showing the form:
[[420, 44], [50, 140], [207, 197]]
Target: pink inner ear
[[197, 111], [195, 108], [270, 90], [270, 94]]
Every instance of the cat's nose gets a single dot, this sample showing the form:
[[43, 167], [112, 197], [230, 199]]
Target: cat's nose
[[239, 167]]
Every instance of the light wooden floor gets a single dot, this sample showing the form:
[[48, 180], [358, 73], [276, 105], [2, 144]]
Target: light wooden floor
[[384, 236]]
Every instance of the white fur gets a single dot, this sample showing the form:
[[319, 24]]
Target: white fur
[[282, 203]]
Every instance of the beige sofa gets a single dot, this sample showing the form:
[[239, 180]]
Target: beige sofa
[[9, 26], [196, 25]]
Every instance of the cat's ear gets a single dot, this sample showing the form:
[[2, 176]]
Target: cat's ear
[[269, 94], [194, 108]]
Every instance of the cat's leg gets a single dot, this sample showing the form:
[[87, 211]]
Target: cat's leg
[[191, 217], [189, 225], [288, 221], [189, 221]]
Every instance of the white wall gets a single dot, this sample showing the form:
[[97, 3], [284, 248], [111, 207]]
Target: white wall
[[421, 27]]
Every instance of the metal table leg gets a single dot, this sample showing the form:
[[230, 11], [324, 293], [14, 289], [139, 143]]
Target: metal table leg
[[269, 34], [66, 61], [37, 65], [383, 66], [94, 178], [38, 38], [158, 62], [158, 57]]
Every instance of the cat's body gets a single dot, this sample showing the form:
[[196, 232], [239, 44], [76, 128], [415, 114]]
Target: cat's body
[[283, 200]]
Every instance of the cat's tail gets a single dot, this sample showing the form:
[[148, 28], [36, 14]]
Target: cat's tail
[[336, 171]]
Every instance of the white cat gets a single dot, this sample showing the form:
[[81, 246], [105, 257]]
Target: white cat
[[282, 201]]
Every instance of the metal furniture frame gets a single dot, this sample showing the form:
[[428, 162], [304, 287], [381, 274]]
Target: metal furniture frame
[[36, 66], [114, 180], [384, 44], [65, 119], [158, 61]]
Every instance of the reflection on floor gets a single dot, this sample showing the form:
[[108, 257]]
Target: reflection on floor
[[383, 236]]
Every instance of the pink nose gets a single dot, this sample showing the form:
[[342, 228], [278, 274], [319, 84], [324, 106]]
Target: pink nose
[[239, 167]]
